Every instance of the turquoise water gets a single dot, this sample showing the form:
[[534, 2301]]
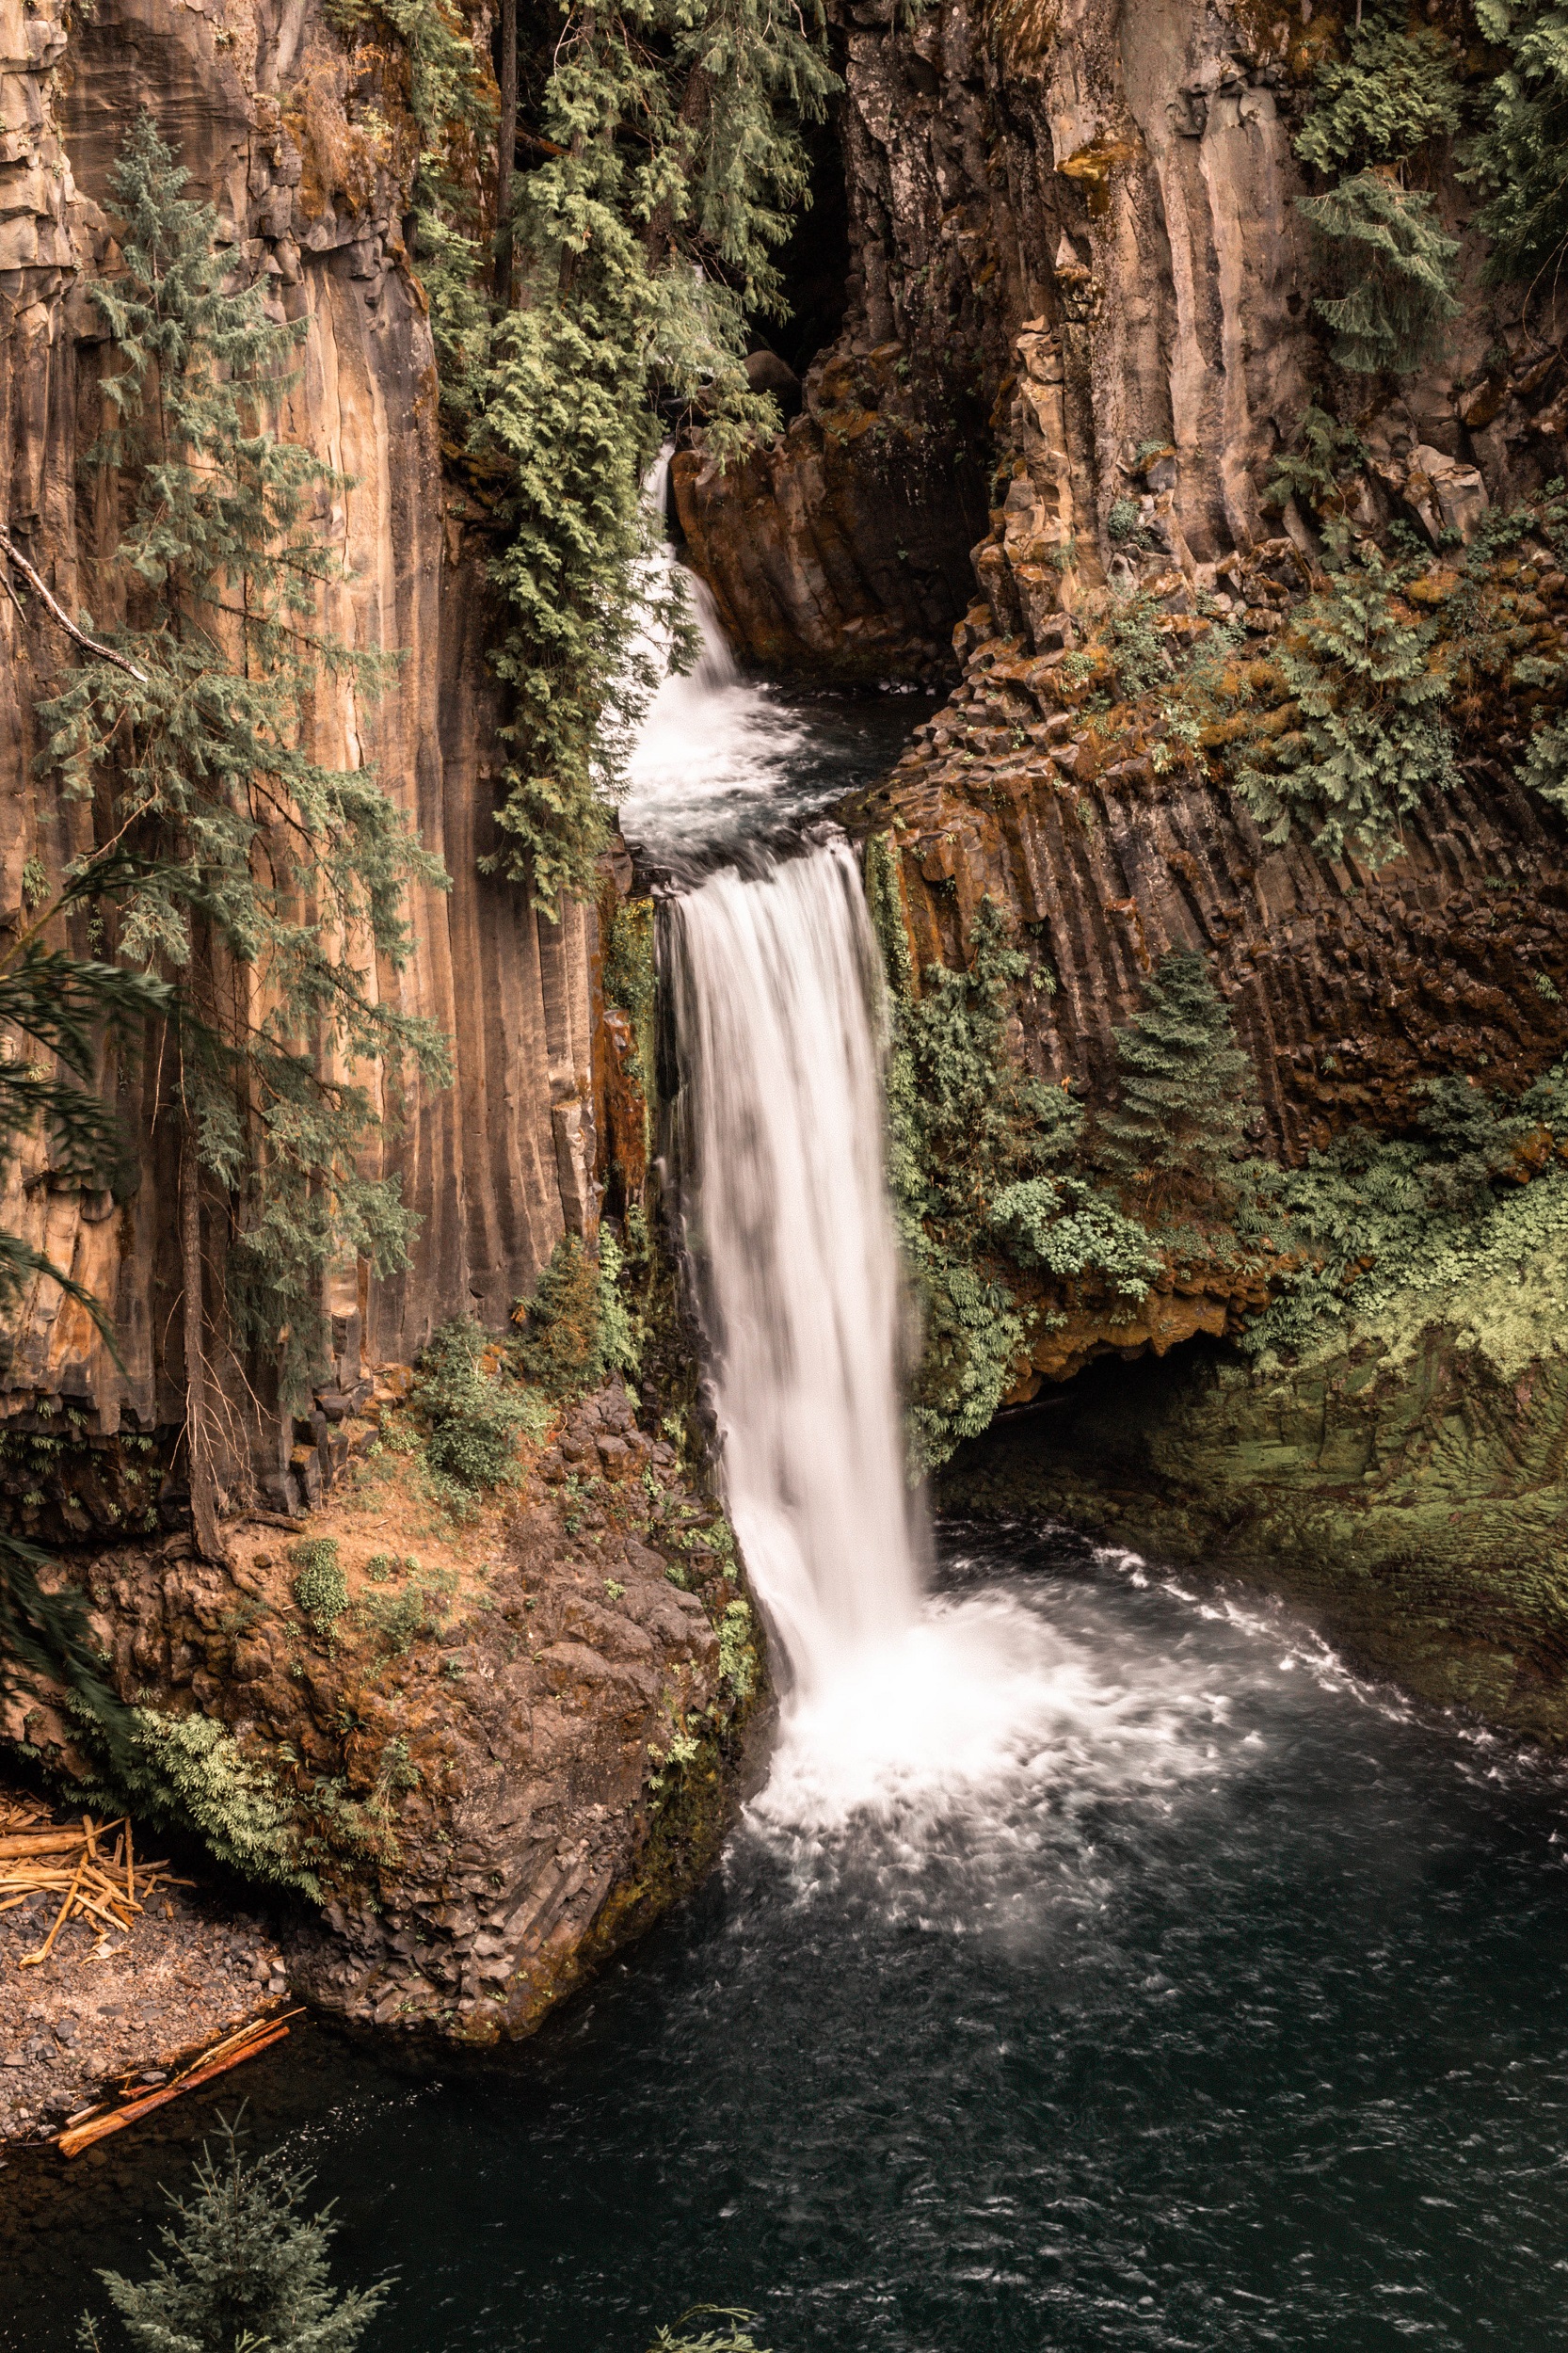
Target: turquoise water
[[1202, 1997]]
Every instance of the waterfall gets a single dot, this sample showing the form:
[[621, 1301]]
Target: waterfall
[[789, 1225], [776, 992]]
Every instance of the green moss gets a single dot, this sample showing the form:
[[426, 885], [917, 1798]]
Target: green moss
[[1411, 1493]]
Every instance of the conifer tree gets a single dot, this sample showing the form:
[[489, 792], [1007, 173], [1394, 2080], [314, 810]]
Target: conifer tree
[[71, 1011], [1519, 154], [265, 885], [1372, 111], [1185, 1083], [246, 2270]]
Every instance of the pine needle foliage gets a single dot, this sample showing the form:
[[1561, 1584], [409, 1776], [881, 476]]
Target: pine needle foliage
[[1184, 1085], [1394, 266], [245, 2271], [63, 1017], [74, 1011], [733, 2336], [1373, 111], [268, 886], [1518, 155], [1367, 728]]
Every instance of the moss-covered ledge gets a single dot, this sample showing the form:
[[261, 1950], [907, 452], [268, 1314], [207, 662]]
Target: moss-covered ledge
[[1407, 1484]]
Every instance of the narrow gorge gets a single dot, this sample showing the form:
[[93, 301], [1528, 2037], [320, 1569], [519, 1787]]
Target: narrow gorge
[[784, 1139]]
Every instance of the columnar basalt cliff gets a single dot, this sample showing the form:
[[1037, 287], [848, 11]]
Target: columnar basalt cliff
[[306, 155], [462, 1761]]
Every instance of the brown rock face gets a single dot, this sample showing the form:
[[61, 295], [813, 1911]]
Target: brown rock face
[[515, 1741], [1079, 280], [1347, 987], [308, 182]]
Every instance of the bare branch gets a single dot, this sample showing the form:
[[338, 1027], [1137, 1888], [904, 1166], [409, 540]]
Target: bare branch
[[89, 645]]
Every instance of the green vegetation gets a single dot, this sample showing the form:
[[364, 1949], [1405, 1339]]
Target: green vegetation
[[1324, 456], [667, 167], [994, 1171], [1366, 730], [1184, 1085], [190, 1774], [474, 1415], [239, 855], [1394, 93], [245, 2270], [1373, 112], [1380, 1219], [1517, 156], [576, 1330], [736, 2338], [320, 1586], [75, 1013]]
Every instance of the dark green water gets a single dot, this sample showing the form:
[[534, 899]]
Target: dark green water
[[1183, 1992]]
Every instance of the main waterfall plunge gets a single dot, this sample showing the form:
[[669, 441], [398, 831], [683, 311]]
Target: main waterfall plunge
[[788, 1223]]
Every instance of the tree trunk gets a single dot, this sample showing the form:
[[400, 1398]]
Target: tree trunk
[[506, 151], [197, 1432]]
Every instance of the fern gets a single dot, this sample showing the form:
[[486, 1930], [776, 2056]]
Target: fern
[[1395, 91], [1369, 729]]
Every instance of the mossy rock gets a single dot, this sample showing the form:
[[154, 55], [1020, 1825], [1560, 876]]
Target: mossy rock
[[1408, 1489]]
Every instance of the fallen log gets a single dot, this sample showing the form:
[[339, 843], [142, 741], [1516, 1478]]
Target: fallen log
[[72, 2142]]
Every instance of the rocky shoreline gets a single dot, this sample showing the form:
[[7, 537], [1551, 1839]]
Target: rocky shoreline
[[109, 2011]]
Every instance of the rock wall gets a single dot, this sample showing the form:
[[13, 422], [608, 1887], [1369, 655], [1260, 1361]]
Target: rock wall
[[1408, 1488], [304, 144], [1079, 276]]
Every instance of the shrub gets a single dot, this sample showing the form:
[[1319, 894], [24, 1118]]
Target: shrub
[[245, 2267], [474, 1415], [1314, 468], [320, 1586], [576, 1330]]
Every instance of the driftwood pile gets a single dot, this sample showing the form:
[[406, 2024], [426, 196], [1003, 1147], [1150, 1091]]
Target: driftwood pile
[[92, 1867]]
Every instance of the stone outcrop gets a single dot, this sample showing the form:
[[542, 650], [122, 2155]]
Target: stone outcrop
[[1408, 1487], [520, 1738], [1077, 277], [304, 145], [1348, 985]]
